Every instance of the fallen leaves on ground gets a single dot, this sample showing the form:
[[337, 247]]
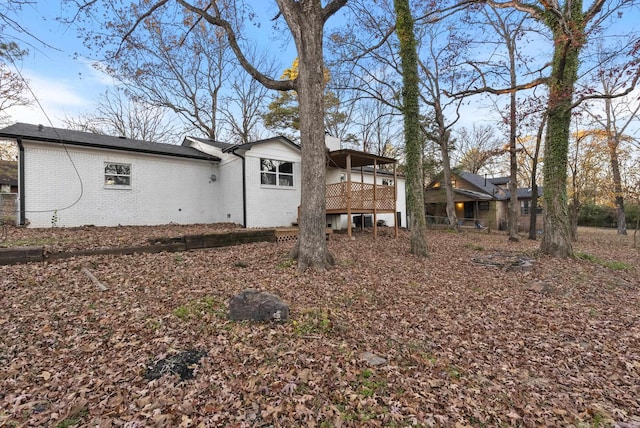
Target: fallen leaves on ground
[[465, 344]]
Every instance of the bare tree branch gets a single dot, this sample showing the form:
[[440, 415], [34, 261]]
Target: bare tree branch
[[627, 91], [279, 85]]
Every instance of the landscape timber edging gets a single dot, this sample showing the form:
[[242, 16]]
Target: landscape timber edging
[[10, 256]]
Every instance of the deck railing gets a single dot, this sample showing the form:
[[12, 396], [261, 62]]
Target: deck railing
[[362, 197]]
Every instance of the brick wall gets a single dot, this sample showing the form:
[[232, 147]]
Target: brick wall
[[69, 190]]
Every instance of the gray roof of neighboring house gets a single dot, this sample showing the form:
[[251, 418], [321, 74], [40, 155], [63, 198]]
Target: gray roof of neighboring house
[[488, 186], [475, 195], [525, 192], [48, 134], [499, 180], [480, 182]]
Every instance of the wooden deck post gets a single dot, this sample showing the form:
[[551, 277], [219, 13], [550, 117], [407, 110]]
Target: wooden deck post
[[375, 199], [395, 199], [349, 196]]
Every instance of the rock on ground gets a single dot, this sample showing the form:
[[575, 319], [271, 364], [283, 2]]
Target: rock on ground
[[257, 305]]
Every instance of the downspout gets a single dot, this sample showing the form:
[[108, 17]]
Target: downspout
[[244, 188], [21, 220]]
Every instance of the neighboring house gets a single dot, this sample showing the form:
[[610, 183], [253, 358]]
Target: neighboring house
[[479, 198], [8, 176], [8, 190], [71, 178]]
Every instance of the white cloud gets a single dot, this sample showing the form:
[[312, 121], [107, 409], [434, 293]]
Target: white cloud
[[59, 97]]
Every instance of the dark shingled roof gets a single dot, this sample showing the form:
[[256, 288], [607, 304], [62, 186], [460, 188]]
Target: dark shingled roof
[[217, 144], [248, 146], [51, 135], [525, 192], [480, 182], [499, 180], [226, 147]]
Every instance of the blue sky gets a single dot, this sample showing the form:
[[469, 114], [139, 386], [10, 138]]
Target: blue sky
[[61, 76], [66, 84], [63, 85]]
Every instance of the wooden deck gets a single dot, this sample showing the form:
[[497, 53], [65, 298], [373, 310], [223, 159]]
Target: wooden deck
[[360, 198], [353, 198]]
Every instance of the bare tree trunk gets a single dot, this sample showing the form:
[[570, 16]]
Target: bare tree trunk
[[635, 232], [533, 214], [513, 183], [306, 22], [617, 185], [513, 130], [574, 211], [448, 187]]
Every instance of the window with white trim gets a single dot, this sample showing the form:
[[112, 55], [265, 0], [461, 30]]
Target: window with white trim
[[117, 174], [276, 173], [526, 207]]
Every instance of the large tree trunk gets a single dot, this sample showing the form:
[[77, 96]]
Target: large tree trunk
[[306, 23], [556, 240], [411, 114]]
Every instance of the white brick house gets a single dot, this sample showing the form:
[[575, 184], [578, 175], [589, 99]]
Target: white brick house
[[71, 178]]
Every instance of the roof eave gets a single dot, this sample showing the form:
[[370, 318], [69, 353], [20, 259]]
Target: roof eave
[[108, 147]]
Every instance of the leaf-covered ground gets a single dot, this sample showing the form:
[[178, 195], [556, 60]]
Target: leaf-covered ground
[[466, 343]]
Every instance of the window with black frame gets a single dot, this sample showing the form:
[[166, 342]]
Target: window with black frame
[[117, 174], [276, 173]]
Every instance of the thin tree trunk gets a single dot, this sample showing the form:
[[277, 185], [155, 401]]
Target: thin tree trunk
[[533, 215], [513, 130], [411, 114], [448, 187], [635, 232], [617, 185], [574, 211]]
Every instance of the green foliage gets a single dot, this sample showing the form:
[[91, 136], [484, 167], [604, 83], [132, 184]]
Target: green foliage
[[615, 265], [12, 50], [313, 321], [632, 212], [286, 264], [284, 112], [412, 130], [369, 385], [196, 309], [454, 372], [592, 215], [73, 420], [474, 247]]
